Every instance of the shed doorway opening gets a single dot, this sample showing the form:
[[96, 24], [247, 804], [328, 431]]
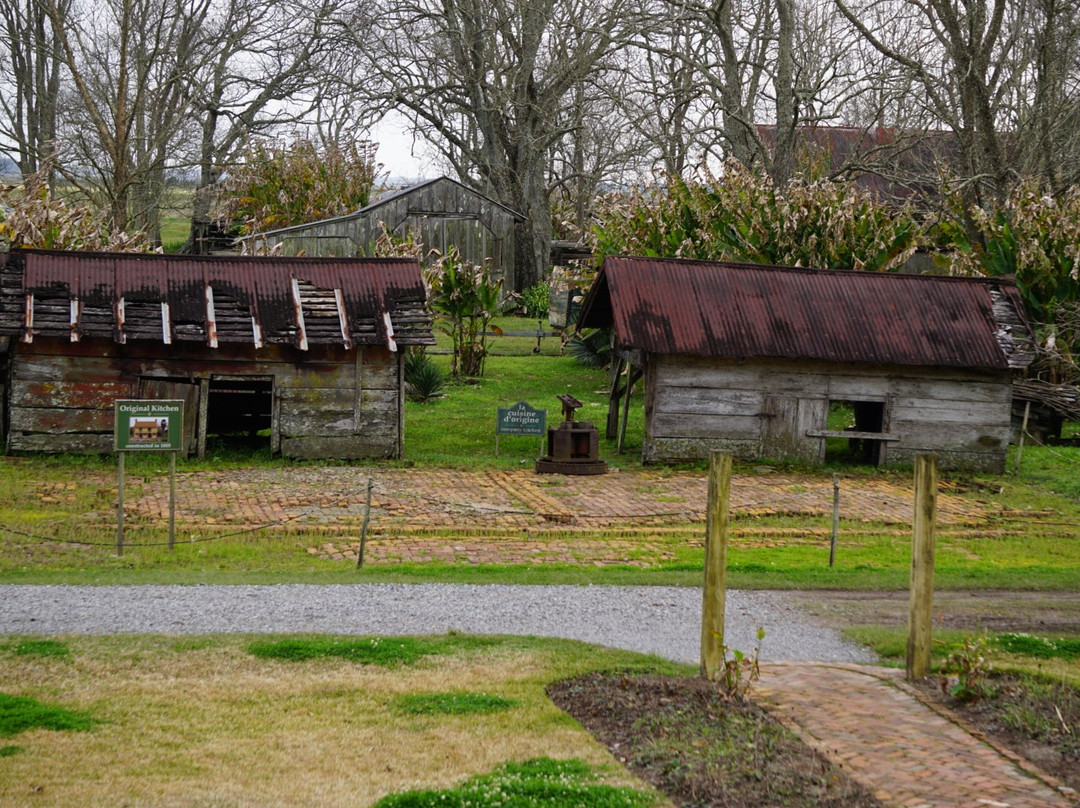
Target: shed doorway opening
[[858, 417], [239, 413]]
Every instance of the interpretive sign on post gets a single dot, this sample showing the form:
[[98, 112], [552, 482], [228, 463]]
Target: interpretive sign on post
[[154, 426], [147, 426], [521, 419]]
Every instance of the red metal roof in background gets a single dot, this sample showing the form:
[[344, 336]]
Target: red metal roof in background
[[247, 291], [671, 306]]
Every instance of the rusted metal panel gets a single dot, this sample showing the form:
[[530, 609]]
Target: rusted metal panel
[[213, 300], [670, 306]]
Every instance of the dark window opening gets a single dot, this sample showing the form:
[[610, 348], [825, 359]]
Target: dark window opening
[[855, 416], [239, 413]]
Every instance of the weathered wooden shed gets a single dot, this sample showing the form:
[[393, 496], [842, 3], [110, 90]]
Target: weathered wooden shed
[[752, 359], [304, 353], [438, 213]]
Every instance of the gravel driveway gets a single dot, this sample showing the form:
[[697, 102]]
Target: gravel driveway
[[660, 620]]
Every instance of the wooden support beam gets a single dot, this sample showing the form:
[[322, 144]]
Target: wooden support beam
[[617, 366], [166, 323], [211, 318], [298, 310], [75, 307], [388, 331], [121, 315], [632, 375], [28, 333], [343, 319]]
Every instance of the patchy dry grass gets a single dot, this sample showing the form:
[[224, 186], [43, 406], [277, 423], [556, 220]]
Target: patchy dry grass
[[203, 722]]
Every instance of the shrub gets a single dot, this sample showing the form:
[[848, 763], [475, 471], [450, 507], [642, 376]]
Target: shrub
[[536, 301], [467, 298], [32, 216], [591, 348], [424, 380], [969, 666], [742, 216], [282, 184]]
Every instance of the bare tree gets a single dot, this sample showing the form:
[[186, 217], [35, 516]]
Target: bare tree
[[30, 83], [267, 68], [124, 59], [486, 82], [999, 74], [735, 69]]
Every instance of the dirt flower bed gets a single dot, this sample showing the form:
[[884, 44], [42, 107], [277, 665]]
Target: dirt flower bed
[[689, 741], [1038, 720]]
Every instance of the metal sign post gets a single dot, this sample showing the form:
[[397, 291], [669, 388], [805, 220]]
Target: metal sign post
[[147, 426]]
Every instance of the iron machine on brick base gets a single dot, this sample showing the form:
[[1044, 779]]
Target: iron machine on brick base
[[573, 446]]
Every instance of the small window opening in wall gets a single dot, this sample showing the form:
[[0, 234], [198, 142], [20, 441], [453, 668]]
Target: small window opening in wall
[[855, 416], [239, 414]]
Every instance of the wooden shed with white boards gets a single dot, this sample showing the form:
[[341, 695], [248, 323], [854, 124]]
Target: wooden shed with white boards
[[761, 361], [438, 214], [304, 354]]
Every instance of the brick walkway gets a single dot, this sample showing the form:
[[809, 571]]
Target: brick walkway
[[908, 754], [516, 517]]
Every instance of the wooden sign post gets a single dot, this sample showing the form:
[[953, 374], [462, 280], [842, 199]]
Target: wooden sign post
[[714, 590], [921, 599]]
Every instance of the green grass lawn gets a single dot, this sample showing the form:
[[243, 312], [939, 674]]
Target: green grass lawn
[[1030, 543], [214, 720]]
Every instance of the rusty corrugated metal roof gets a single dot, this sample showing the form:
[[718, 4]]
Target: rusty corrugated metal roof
[[671, 306], [259, 300]]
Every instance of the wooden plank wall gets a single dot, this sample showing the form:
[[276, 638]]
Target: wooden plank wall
[[328, 402], [487, 234], [695, 405]]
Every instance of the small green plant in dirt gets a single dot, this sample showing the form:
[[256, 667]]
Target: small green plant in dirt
[[424, 380], [536, 782], [37, 647], [453, 703], [966, 669], [740, 670], [18, 714]]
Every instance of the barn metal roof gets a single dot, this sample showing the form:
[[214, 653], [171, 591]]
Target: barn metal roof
[[213, 299], [670, 306], [381, 201]]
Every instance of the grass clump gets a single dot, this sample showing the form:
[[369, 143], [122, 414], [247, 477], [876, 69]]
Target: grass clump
[[38, 648], [455, 703], [384, 651], [1039, 647], [536, 782], [18, 714]]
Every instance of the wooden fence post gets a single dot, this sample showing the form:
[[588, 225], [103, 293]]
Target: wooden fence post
[[714, 588], [835, 519], [921, 598]]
